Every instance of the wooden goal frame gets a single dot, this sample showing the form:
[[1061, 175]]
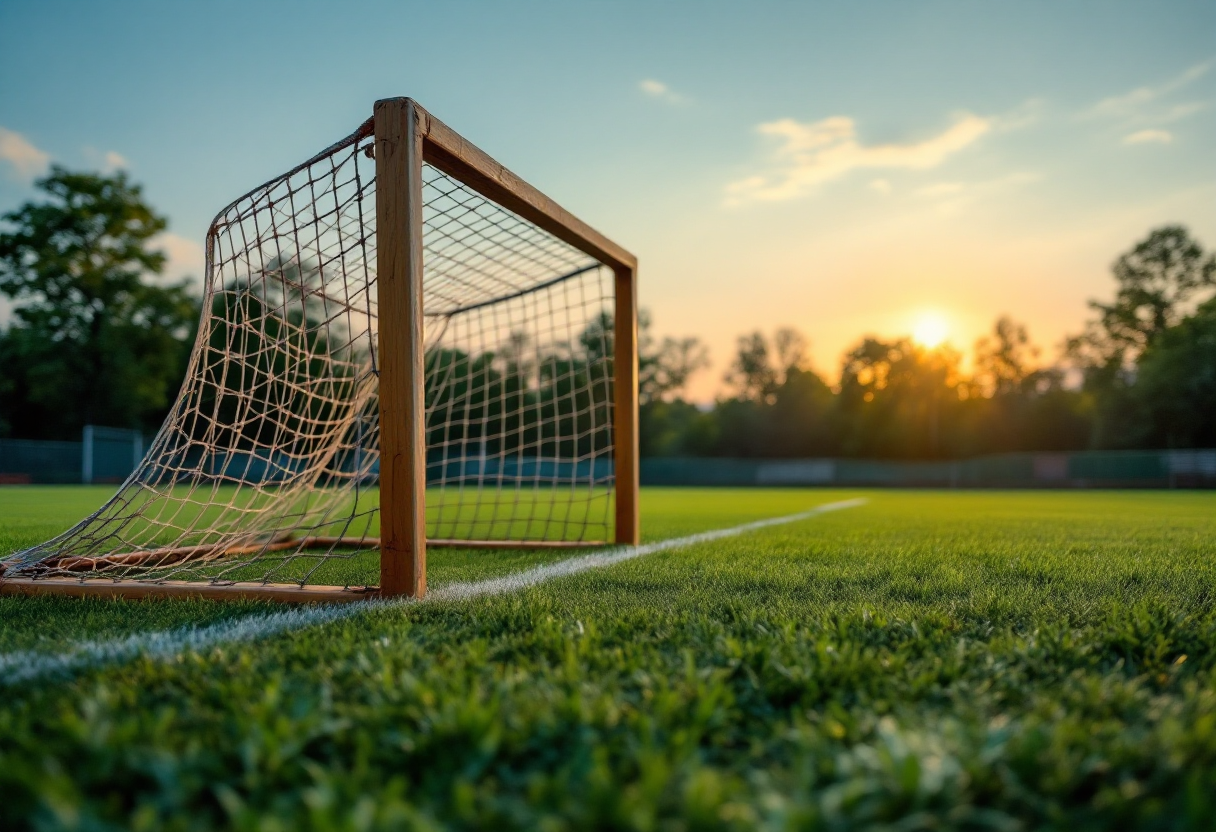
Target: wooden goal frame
[[406, 136]]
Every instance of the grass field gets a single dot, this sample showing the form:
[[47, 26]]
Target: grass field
[[971, 660]]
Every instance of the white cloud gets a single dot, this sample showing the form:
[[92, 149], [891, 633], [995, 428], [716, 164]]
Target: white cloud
[[1133, 102], [659, 90], [26, 160], [950, 197], [1149, 137], [184, 256], [115, 160], [109, 161], [807, 155], [881, 185], [1183, 110], [1026, 114]]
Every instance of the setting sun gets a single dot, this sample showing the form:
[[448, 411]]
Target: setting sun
[[930, 330]]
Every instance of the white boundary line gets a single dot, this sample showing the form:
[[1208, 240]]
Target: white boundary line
[[30, 665]]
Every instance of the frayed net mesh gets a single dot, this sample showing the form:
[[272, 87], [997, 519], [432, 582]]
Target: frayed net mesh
[[266, 469]]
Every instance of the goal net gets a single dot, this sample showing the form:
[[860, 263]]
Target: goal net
[[266, 470]]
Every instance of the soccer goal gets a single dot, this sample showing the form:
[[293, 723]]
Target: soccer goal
[[402, 345]]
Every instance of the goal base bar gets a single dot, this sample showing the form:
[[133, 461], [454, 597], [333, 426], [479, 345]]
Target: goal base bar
[[453, 543], [100, 588]]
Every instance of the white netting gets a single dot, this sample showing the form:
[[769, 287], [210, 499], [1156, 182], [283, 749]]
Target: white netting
[[266, 468]]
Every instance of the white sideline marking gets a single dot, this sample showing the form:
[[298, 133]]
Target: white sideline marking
[[28, 665]]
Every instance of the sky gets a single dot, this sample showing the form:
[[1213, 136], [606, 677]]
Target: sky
[[845, 169]]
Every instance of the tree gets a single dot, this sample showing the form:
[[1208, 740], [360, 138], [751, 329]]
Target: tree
[[780, 406], [899, 400], [758, 370], [751, 373], [1002, 361], [665, 368], [1158, 281], [790, 346], [1015, 405], [801, 419], [1176, 383], [93, 340]]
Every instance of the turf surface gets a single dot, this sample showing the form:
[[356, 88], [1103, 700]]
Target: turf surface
[[930, 660]]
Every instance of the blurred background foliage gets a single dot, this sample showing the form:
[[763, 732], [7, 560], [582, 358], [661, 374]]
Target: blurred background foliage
[[97, 336]]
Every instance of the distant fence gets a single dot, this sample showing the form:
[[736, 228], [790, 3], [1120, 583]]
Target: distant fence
[[1086, 469], [262, 466], [104, 455], [31, 460], [110, 455]]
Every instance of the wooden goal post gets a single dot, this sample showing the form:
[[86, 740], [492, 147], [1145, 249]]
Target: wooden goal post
[[405, 137]]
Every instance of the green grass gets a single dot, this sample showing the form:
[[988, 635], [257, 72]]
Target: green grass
[[191, 515], [974, 660]]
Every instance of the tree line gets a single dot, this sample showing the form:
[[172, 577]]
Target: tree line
[[1142, 374], [98, 336]]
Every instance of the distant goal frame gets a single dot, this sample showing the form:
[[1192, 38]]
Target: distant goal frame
[[405, 136]]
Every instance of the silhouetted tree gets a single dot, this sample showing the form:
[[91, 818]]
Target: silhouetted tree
[[1175, 387], [665, 367], [752, 374], [898, 399], [1159, 282], [1002, 360]]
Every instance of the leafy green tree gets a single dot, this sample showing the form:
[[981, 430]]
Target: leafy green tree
[[802, 418], [781, 407], [1160, 281], [677, 428], [1175, 386], [93, 338], [1156, 280]]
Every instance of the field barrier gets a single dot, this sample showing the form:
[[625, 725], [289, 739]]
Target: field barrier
[[1086, 469], [109, 455], [103, 455]]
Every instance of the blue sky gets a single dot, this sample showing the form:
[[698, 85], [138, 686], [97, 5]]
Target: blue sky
[[846, 169]]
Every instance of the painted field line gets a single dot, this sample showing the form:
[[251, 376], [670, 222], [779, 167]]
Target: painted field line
[[31, 665]]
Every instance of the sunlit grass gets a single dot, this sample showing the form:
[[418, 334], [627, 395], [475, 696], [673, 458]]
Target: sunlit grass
[[253, 519], [930, 660]]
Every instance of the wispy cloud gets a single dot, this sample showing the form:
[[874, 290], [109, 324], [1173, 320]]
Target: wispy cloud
[[949, 197], [881, 185], [184, 256], [659, 90], [25, 160], [1183, 110], [109, 160], [1134, 102], [1149, 137], [807, 155], [1026, 114]]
